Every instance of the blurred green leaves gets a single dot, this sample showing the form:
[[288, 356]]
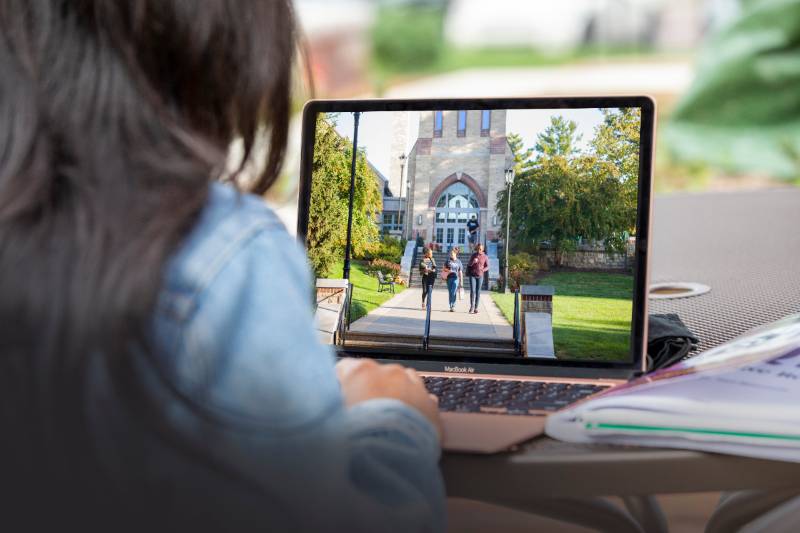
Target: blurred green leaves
[[743, 112], [408, 35]]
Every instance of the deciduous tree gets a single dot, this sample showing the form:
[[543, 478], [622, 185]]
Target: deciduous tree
[[330, 186], [563, 194]]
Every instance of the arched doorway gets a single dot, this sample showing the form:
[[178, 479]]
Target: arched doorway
[[454, 207]]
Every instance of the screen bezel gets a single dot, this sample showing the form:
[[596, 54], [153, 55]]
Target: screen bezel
[[510, 365]]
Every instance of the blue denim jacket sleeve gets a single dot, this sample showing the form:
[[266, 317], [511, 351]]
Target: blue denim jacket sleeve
[[235, 320]]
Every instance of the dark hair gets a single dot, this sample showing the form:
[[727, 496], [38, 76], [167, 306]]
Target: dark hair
[[114, 117]]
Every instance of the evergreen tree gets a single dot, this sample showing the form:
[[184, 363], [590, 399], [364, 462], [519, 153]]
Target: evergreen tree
[[558, 139]]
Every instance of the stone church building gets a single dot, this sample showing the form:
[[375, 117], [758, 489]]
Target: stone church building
[[454, 171]]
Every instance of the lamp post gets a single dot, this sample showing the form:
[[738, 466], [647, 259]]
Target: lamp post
[[402, 159], [509, 182], [348, 243]]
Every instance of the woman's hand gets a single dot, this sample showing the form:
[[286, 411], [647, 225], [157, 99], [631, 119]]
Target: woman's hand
[[364, 379]]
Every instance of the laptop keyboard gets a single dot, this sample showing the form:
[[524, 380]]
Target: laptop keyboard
[[505, 397]]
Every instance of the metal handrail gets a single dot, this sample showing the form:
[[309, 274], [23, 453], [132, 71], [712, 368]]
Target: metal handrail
[[349, 302], [426, 337], [343, 324], [517, 322]]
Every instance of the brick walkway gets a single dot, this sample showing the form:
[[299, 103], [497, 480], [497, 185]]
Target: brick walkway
[[402, 314]]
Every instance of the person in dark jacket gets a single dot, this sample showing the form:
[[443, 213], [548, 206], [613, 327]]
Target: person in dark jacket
[[427, 271], [477, 266], [472, 227]]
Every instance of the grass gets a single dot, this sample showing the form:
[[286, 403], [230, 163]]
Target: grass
[[453, 58], [591, 314], [365, 289]]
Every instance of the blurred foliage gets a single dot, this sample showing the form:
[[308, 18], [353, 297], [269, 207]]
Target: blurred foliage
[[742, 113], [330, 188], [408, 36]]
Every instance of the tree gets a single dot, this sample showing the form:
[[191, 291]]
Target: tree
[[330, 186], [559, 139], [562, 194], [616, 142]]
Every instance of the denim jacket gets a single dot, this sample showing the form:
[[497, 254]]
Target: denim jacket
[[245, 378]]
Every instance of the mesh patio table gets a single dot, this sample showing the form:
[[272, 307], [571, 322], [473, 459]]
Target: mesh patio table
[[745, 246]]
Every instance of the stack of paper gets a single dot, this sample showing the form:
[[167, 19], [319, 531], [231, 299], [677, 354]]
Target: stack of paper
[[741, 398]]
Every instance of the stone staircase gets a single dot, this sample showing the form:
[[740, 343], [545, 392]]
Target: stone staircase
[[436, 344]]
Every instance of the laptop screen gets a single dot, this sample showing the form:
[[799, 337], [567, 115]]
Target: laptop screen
[[489, 233]]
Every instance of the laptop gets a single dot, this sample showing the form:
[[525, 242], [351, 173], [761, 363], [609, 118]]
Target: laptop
[[421, 216]]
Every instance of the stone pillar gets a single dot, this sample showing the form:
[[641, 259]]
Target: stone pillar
[[331, 291], [536, 302], [537, 298], [330, 303]]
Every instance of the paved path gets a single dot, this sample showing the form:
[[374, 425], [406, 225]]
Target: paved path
[[402, 314], [659, 78]]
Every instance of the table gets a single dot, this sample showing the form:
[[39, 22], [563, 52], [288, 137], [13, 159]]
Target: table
[[746, 247]]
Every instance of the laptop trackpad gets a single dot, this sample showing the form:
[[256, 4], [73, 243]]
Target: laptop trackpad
[[487, 433]]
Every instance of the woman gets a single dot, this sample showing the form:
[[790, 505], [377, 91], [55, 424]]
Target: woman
[[478, 265], [455, 277], [427, 272], [159, 369]]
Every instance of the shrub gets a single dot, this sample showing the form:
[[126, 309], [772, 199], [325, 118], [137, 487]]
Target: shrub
[[387, 267], [389, 249], [522, 269]]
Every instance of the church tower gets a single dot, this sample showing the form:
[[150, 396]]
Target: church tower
[[455, 170]]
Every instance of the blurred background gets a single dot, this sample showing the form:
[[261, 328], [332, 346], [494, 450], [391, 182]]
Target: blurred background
[[702, 60], [724, 74]]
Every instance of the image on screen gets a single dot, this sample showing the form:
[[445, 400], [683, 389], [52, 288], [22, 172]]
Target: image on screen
[[488, 233]]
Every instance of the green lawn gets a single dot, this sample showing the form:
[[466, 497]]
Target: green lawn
[[591, 314], [454, 58], [365, 289]]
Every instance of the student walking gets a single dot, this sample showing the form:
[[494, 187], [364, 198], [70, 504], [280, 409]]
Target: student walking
[[477, 266], [455, 276], [427, 271]]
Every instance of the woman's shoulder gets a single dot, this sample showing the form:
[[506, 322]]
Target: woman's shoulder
[[230, 223]]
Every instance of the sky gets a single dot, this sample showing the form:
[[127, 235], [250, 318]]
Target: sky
[[375, 129]]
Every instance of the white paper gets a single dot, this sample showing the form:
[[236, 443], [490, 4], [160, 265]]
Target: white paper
[[741, 398]]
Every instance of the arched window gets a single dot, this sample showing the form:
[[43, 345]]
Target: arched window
[[457, 196]]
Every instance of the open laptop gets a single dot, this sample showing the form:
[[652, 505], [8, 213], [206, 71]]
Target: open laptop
[[430, 181]]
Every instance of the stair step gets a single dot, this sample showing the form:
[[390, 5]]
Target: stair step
[[434, 342]]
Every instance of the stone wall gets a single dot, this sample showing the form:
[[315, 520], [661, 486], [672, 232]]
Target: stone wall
[[588, 258]]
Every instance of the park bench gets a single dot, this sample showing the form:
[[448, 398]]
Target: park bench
[[385, 284]]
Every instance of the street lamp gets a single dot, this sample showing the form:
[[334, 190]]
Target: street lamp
[[509, 182], [402, 159], [349, 242]]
